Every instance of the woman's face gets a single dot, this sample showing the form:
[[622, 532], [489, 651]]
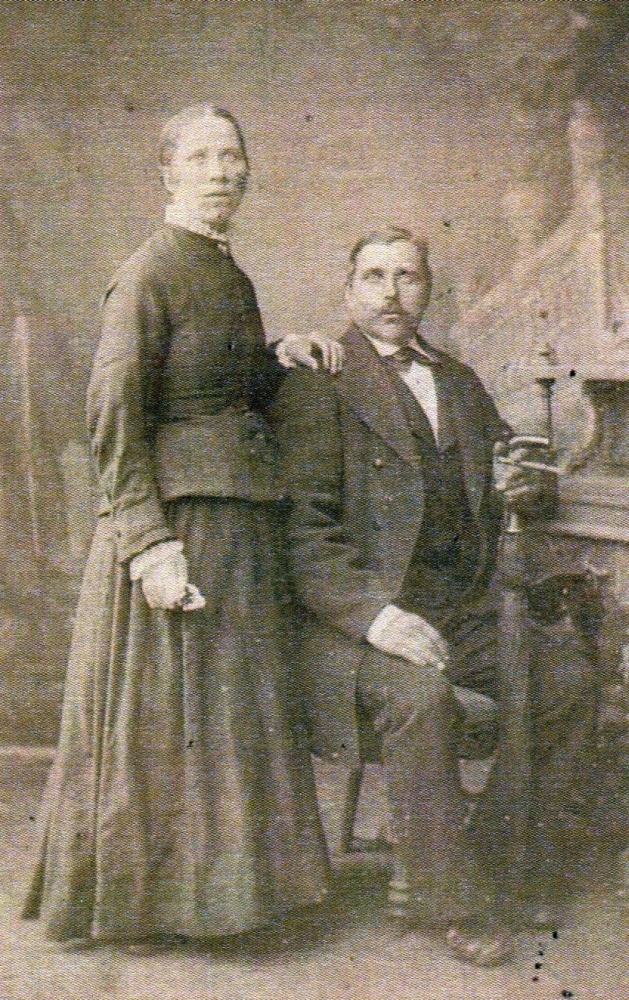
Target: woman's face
[[208, 171]]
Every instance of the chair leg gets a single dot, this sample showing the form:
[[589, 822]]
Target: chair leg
[[350, 808]]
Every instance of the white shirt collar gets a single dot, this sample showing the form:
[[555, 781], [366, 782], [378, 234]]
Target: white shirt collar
[[179, 215], [386, 349]]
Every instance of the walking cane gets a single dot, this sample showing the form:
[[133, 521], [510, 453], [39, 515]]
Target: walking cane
[[513, 772]]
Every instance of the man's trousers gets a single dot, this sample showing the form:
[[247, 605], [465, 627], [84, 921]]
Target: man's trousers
[[414, 713]]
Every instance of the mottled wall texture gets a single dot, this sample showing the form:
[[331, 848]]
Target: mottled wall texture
[[429, 114], [354, 112]]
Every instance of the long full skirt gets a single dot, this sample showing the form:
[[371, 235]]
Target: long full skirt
[[181, 800]]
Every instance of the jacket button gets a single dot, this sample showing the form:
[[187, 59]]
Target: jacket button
[[378, 463]]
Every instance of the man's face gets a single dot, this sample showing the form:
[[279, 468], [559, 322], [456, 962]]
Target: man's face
[[208, 172], [388, 292]]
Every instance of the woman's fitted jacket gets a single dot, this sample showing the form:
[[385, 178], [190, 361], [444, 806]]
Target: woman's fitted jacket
[[180, 385]]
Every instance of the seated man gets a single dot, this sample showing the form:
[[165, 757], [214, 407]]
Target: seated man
[[392, 535]]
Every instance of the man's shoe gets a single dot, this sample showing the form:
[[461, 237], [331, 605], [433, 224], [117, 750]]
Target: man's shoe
[[468, 940], [479, 945], [545, 916]]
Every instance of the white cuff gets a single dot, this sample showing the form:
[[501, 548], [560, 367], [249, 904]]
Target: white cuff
[[390, 615], [152, 556]]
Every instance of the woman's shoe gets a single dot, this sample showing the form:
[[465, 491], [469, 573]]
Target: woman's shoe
[[157, 945], [76, 944]]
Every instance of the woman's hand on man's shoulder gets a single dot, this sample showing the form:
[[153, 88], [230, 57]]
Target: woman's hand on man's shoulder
[[313, 350]]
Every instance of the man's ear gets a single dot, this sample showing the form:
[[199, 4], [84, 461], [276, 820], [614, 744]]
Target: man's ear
[[169, 179]]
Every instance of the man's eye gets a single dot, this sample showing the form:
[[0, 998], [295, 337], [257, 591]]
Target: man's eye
[[373, 276], [232, 156], [408, 278], [198, 156]]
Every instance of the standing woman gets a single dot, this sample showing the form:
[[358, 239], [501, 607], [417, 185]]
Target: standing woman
[[181, 801]]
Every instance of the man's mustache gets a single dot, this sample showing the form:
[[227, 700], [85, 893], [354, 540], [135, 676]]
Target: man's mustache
[[392, 311], [218, 192]]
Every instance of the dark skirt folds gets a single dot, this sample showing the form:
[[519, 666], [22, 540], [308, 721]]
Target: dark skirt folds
[[181, 800]]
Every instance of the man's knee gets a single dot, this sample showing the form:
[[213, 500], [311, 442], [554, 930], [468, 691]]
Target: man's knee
[[416, 693]]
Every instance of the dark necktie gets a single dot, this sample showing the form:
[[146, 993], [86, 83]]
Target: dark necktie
[[404, 357], [402, 360]]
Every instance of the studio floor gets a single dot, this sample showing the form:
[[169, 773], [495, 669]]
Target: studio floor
[[346, 953]]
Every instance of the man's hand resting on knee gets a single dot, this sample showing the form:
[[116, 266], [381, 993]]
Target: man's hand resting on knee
[[410, 636]]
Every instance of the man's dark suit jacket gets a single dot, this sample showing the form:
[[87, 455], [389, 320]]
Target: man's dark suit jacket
[[353, 477]]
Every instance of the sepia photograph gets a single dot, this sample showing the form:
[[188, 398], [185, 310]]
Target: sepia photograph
[[314, 500]]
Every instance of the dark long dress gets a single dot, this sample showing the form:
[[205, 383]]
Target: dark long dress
[[181, 800]]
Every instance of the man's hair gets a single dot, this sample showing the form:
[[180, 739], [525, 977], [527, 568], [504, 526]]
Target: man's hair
[[386, 236], [171, 132]]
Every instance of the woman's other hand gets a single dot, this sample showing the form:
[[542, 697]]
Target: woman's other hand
[[163, 572]]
